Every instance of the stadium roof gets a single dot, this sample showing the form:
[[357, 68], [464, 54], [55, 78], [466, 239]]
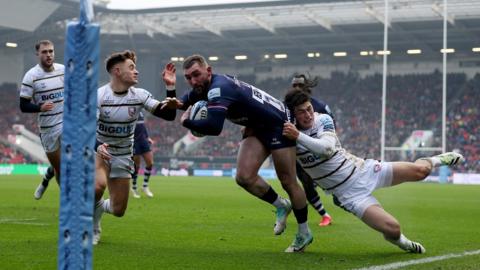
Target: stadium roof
[[276, 27]]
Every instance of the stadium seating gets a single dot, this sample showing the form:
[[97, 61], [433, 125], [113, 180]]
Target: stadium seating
[[413, 102]]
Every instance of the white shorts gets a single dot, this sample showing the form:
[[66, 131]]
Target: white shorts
[[355, 195], [51, 140], [120, 166]]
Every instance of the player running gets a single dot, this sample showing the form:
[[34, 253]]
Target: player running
[[142, 149], [42, 93], [118, 105], [350, 179], [246, 105]]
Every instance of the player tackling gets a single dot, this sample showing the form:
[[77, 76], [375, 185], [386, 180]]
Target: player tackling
[[350, 179]]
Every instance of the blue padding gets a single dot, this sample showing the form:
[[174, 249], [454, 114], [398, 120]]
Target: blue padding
[[78, 140]]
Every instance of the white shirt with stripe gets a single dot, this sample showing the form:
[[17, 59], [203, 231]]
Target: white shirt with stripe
[[117, 117], [41, 87], [332, 168]]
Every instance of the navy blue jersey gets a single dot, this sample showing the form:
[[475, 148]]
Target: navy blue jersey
[[321, 107], [239, 102], [140, 129]]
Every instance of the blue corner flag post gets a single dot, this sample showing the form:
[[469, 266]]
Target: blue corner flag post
[[78, 142]]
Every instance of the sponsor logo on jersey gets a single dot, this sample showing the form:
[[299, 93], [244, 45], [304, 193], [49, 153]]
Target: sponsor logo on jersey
[[132, 111], [377, 168], [214, 93], [52, 96], [309, 159], [126, 129]]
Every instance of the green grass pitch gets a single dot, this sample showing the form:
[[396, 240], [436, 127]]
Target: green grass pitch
[[211, 223]]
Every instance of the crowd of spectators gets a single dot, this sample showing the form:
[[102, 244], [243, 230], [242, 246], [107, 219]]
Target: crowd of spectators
[[414, 102]]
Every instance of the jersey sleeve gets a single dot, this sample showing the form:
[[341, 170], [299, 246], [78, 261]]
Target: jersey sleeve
[[325, 121], [149, 102], [322, 142], [26, 89]]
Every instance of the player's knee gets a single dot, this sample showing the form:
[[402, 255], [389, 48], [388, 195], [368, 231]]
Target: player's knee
[[100, 186], [119, 211], [244, 179]]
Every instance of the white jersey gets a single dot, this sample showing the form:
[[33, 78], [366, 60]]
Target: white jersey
[[40, 87], [117, 117], [327, 171]]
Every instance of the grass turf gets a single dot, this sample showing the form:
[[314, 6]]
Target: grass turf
[[211, 223]]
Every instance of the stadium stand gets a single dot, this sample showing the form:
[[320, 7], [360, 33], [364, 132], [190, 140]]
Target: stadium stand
[[414, 103]]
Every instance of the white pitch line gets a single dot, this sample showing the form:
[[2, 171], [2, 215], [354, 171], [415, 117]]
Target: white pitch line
[[420, 261], [6, 220], [21, 221]]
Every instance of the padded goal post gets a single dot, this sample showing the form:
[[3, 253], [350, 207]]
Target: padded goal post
[[78, 142]]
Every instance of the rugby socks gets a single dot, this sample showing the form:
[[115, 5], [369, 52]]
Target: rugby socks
[[408, 245], [107, 208], [301, 216], [435, 161], [147, 172], [318, 205], [49, 174], [134, 178], [272, 198]]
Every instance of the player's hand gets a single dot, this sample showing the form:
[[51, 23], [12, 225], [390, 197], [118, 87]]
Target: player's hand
[[290, 131], [150, 141], [171, 103], [186, 114], [168, 75], [47, 106], [102, 151]]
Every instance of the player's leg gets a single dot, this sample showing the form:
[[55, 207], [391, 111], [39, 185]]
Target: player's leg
[[42, 187], [148, 158], [137, 163], [251, 155], [284, 161], [380, 220], [51, 145], [118, 183], [102, 171], [421, 168], [55, 159], [312, 195], [118, 189]]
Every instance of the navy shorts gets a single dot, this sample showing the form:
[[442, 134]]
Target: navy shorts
[[273, 139], [141, 146]]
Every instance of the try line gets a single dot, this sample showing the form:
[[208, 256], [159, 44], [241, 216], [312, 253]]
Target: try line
[[420, 261]]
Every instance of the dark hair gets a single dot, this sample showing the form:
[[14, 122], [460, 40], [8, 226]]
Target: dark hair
[[119, 57], [42, 42], [308, 82], [296, 97], [192, 59]]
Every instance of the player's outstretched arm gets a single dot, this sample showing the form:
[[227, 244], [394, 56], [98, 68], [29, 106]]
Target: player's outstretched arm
[[323, 144], [167, 109]]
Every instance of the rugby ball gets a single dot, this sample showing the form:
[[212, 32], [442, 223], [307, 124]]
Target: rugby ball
[[199, 111]]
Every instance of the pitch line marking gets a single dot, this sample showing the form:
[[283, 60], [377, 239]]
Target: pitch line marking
[[420, 261], [21, 221]]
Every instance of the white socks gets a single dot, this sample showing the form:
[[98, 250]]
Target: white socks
[[105, 204], [303, 228], [280, 202]]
